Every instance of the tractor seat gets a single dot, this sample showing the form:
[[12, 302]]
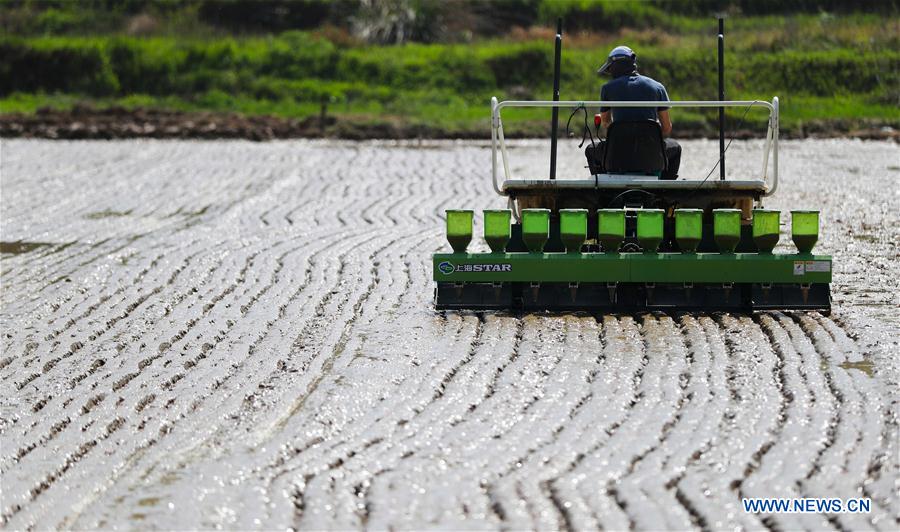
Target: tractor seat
[[635, 148]]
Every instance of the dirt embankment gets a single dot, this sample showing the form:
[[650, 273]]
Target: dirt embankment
[[85, 122]]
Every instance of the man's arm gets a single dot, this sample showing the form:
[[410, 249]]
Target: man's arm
[[605, 112], [606, 118], [665, 122], [662, 113]]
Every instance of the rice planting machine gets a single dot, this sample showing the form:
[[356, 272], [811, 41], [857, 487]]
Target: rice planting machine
[[629, 241]]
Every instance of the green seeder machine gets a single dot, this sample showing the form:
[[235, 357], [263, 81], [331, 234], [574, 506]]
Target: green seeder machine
[[559, 270], [624, 241]]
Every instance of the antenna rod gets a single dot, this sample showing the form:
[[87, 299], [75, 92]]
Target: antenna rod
[[555, 112], [721, 98]]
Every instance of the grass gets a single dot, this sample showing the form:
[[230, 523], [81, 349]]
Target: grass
[[843, 71]]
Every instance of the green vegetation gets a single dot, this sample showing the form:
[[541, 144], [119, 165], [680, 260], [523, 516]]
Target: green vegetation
[[829, 70]]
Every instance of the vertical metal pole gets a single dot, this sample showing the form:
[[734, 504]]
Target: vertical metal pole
[[555, 113], [721, 98]]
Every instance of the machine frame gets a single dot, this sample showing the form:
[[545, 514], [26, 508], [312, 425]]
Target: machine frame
[[714, 189]]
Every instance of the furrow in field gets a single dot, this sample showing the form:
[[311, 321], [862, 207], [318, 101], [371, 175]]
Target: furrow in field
[[77, 300], [90, 415], [125, 298], [282, 365], [695, 431], [373, 339], [785, 466], [101, 394], [242, 416], [688, 408], [192, 420], [414, 453], [746, 402], [883, 471], [218, 381], [863, 438], [614, 390], [53, 369]]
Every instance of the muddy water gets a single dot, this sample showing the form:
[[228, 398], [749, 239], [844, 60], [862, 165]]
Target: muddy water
[[231, 334]]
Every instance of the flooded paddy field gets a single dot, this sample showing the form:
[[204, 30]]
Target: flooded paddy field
[[241, 335]]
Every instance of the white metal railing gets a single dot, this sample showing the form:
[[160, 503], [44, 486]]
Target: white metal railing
[[771, 144]]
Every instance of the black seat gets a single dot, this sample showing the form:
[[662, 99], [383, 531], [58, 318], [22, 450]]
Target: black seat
[[635, 147]]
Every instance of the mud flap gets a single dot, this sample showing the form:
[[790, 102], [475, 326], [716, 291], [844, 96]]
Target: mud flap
[[816, 296], [565, 296], [473, 296]]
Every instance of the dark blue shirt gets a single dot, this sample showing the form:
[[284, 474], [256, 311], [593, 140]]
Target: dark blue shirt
[[634, 88]]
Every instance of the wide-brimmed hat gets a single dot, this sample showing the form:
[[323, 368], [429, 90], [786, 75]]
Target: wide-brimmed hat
[[619, 53]]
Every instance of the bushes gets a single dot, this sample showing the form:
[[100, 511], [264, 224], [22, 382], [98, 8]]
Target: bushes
[[520, 65], [456, 68], [823, 73], [148, 66], [442, 67], [601, 15], [296, 55], [688, 71], [299, 66], [56, 65], [317, 90]]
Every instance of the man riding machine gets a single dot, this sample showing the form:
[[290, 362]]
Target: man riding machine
[[637, 137]]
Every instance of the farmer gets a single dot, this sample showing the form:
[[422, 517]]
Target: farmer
[[628, 85]]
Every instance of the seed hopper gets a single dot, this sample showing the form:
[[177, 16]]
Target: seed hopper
[[629, 241]]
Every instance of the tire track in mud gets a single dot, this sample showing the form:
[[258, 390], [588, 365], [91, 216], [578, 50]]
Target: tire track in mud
[[283, 366]]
